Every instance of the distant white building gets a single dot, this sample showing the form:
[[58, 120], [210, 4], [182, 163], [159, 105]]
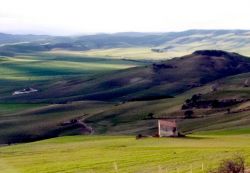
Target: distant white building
[[24, 91]]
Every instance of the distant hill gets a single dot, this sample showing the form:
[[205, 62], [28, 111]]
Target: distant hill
[[186, 41], [159, 80], [11, 38]]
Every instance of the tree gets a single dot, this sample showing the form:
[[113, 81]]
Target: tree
[[184, 107], [195, 98], [150, 116], [188, 114], [215, 103]]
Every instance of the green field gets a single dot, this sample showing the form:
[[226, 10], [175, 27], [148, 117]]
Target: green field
[[145, 53], [140, 53], [99, 154], [44, 66], [6, 109], [44, 70]]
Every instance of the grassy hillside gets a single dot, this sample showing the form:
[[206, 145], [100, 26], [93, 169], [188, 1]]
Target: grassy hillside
[[13, 108], [123, 118], [36, 66], [35, 121], [131, 117], [110, 154], [159, 80], [43, 71], [115, 85], [44, 121]]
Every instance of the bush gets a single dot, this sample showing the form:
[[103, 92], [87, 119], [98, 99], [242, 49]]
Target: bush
[[188, 114], [233, 165], [195, 98], [150, 115], [184, 107]]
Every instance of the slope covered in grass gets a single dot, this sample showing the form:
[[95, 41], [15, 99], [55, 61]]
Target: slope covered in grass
[[45, 121], [43, 71], [154, 81], [100, 154], [37, 66], [6, 109], [132, 116]]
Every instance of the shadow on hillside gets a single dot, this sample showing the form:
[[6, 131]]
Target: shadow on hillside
[[198, 137]]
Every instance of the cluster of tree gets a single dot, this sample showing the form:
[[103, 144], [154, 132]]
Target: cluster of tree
[[151, 97], [192, 102], [149, 116], [196, 102], [162, 66], [188, 114]]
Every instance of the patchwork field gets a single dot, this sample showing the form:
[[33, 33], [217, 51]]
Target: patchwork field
[[98, 154]]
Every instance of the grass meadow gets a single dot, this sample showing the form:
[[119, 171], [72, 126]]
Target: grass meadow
[[139, 53], [145, 53], [38, 66], [8, 108], [123, 154], [40, 69]]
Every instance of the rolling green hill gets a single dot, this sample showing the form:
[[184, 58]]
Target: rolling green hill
[[108, 88], [116, 82], [132, 117], [43, 71], [195, 74], [159, 80]]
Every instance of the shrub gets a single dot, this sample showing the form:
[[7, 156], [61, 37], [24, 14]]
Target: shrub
[[183, 107], [233, 165], [195, 98], [188, 114], [150, 115]]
